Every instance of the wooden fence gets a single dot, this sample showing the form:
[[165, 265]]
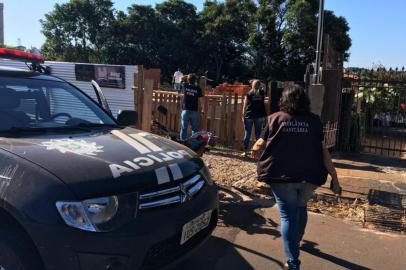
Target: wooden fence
[[222, 115]]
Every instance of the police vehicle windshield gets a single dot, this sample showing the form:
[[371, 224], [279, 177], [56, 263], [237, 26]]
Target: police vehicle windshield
[[33, 104]]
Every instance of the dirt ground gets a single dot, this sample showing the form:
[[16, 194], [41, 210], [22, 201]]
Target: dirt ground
[[230, 170]]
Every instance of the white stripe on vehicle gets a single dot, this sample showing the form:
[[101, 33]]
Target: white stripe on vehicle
[[132, 165], [155, 158], [162, 175], [135, 144], [176, 171], [140, 138], [166, 157]]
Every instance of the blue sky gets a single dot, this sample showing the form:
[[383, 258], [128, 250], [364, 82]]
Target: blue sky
[[377, 26]]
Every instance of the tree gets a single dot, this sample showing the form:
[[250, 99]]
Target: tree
[[163, 37], [116, 45], [145, 35], [267, 51], [232, 40], [337, 28], [300, 34], [225, 34], [76, 31], [181, 49]]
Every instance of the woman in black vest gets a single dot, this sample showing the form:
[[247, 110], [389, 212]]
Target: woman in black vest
[[294, 163], [253, 113]]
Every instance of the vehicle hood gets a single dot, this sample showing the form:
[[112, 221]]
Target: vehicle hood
[[101, 163]]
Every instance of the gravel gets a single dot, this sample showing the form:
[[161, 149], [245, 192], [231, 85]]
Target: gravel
[[230, 170]]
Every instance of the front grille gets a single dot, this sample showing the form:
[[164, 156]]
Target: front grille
[[169, 250], [175, 193]]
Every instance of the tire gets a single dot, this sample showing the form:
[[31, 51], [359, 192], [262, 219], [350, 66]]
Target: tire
[[17, 252]]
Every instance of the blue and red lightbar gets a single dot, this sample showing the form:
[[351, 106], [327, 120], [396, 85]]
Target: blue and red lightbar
[[21, 56]]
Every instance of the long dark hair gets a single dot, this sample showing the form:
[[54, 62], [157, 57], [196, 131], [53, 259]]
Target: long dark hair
[[294, 100]]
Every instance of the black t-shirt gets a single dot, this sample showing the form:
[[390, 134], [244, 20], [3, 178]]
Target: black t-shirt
[[255, 105], [192, 93], [293, 151]]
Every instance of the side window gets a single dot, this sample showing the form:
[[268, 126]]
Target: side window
[[28, 103], [29, 107], [62, 101]]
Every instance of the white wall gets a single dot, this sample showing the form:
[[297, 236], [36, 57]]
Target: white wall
[[119, 99]]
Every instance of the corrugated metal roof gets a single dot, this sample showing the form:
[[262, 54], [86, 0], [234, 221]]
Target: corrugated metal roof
[[119, 99]]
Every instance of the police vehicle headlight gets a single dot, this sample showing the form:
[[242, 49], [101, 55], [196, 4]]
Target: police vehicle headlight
[[101, 210], [100, 214], [206, 175]]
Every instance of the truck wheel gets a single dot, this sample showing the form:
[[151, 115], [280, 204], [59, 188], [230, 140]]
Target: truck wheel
[[16, 253]]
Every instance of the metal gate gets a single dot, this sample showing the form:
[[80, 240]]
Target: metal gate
[[374, 112]]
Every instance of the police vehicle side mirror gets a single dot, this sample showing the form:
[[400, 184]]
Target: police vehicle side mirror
[[127, 118]]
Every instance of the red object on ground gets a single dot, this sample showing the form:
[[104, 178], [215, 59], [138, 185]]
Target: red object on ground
[[237, 88]]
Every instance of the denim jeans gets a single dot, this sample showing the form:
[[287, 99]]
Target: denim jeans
[[176, 86], [248, 123], [186, 117], [292, 203]]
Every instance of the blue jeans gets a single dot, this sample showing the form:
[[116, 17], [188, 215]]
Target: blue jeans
[[292, 203], [186, 117], [176, 86], [248, 123]]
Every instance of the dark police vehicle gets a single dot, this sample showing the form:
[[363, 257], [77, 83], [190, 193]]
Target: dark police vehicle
[[78, 190]]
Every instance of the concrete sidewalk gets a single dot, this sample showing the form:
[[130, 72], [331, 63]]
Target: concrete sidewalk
[[248, 238], [359, 173]]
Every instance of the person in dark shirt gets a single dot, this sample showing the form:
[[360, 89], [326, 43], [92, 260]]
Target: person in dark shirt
[[253, 113], [190, 106], [294, 163]]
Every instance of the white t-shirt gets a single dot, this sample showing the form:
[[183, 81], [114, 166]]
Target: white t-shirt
[[178, 76]]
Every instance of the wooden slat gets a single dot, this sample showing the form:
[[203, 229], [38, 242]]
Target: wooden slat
[[174, 112], [216, 122], [206, 109], [178, 107], [230, 120], [239, 124], [157, 103], [140, 98], [213, 116], [236, 118], [223, 118], [147, 105]]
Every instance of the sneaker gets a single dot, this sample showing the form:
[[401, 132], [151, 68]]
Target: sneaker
[[286, 266], [244, 154], [261, 185]]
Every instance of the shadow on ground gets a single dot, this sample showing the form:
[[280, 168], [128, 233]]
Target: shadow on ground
[[233, 155], [367, 168], [311, 248], [212, 254], [245, 215], [248, 218], [218, 254], [373, 160], [222, 253]]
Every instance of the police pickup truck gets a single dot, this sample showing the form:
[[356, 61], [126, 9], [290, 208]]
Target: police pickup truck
[[79, 190]]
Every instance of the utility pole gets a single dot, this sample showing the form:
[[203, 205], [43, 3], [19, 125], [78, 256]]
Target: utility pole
[[319, 45], [316, 89]]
